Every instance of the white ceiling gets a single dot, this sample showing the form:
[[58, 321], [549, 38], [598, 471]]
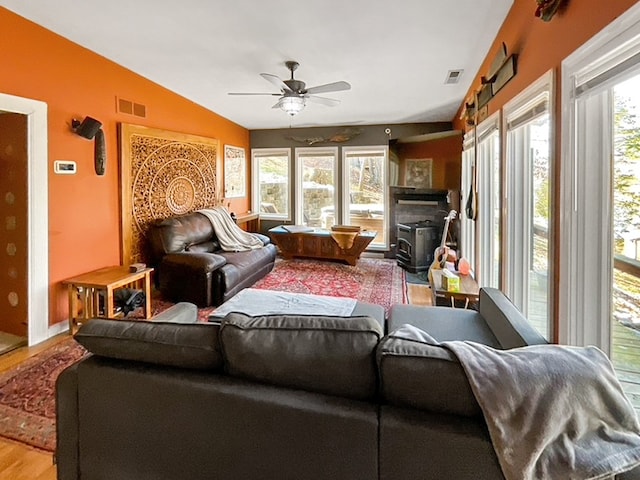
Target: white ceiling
[[395, 55]]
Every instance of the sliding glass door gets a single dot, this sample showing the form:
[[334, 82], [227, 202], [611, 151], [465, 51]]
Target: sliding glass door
[[527, 120], [600, 261]]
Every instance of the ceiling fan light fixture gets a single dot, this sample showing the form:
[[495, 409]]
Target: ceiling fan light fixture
[[292, 105]]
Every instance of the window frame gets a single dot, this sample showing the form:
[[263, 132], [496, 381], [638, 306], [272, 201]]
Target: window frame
[[345, 190], [256, 155], [300, 153]]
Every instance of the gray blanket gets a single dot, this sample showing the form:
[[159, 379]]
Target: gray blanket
[[231, 237], [553, 412]]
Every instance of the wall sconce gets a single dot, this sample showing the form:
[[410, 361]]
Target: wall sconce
[[91, 129]]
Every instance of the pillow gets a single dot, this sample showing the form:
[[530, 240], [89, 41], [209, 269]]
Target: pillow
[[324, 354], [416, 372], [190, 345]]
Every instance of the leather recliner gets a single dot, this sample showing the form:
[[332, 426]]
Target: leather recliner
[[192, 267]]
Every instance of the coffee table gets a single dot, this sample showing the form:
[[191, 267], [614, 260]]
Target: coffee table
[[318, 243], [468, 294], [107, 280]]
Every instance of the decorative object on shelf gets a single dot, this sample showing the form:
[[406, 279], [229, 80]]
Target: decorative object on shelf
[[91, 129], [340, 137], [547, 9], [294, 93], [235, 172]]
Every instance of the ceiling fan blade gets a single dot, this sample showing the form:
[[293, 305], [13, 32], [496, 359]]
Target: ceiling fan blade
[[270, 94], [329, 87], [276, 81], [329, 102]]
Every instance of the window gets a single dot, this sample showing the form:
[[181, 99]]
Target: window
[[271, 170], [599, 291], [489, 192], [528, 233], [467, 225], [316, 170], [364, 199]]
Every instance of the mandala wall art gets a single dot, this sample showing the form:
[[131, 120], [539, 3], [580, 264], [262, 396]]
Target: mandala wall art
[[162, 174]]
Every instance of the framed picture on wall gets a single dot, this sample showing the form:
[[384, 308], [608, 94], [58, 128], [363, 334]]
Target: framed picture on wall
[[417, 172], [235, 172]]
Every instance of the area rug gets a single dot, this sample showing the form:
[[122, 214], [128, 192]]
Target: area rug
[[371, 280], [27, 395]]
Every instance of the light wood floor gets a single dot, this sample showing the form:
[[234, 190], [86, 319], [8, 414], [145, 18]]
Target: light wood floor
[[17, 461]]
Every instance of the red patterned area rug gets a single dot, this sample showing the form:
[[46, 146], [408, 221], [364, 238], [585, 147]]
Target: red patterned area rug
[[27, 395], [372, 280]]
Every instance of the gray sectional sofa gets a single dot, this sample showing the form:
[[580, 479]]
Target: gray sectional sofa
[[281, 397]]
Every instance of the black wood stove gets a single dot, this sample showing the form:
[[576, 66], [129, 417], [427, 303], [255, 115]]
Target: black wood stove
[[416, 244]]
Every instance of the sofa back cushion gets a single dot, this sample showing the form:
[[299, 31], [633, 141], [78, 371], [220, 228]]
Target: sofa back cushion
[[190, 345], [506, 322], [324, 354], [415, 372], [178, 234]]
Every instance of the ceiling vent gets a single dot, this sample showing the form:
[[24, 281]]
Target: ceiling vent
[[453, 76]]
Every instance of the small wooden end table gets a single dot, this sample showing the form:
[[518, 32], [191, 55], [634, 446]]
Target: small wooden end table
[[469, 290], [107, 280]]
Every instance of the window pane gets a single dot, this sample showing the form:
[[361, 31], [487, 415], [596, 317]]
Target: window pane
[[273, 185], [318, 189], [625, 331], [538, 308], [366, 193]]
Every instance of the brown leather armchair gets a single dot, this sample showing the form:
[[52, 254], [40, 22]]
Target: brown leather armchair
[[192, 267]]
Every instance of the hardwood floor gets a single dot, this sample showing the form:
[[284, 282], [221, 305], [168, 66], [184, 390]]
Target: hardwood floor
[[17, 461]]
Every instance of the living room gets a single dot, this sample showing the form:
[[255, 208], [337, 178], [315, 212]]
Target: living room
[[75, 220]]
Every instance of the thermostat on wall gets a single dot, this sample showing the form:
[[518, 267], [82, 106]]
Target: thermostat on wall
[[65, 167]]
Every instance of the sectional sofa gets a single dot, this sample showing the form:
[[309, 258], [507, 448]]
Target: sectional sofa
[[281, 397]]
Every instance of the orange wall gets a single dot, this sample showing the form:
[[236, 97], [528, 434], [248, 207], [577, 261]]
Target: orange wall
[[75, 82], [542, 46], [447, 160], [13, 231]]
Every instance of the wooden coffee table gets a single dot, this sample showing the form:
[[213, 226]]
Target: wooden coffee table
[[468, 294], [107, 280], [318, 243]]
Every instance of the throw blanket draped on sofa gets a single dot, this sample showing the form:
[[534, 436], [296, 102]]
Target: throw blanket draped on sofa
[[231, 237], [552, 411]]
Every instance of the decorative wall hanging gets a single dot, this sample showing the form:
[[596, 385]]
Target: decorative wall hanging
[[340, 137], [417, 172], [547, 9], [235, 172], [91, 129], [162, 174]]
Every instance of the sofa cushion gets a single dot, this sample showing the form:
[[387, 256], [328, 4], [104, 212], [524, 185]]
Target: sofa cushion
[[193, 345], [443, 323], [331, 355], [415, 372]]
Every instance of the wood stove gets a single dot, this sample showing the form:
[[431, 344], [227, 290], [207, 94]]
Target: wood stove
[[416, 244]]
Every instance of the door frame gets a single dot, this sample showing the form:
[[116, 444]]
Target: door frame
[[37, 213]]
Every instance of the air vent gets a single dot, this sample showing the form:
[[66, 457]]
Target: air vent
[[131, 108], [453, 76]]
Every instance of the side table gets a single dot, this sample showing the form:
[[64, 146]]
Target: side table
[[469, 290], [107, 280]]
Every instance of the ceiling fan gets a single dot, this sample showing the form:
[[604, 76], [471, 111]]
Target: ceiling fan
[[294, 94]]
